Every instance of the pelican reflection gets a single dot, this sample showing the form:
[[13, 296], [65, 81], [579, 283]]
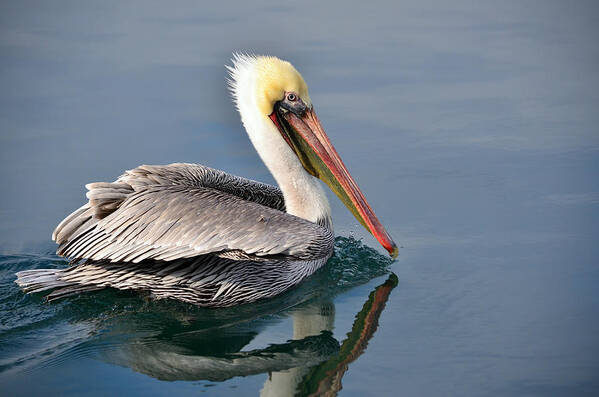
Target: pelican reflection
[[312, 363]]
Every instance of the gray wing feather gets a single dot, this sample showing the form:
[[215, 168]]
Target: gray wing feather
[[186, 210]]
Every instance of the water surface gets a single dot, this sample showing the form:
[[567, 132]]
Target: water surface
[[471, 127]]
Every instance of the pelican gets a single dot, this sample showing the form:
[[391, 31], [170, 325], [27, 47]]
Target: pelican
[[203, 236]]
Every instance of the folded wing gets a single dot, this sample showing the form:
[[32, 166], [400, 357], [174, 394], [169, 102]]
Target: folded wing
[[186, 210]]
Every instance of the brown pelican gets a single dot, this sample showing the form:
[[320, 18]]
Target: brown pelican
[[203, 236]]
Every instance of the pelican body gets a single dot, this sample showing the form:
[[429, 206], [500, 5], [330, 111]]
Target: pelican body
[[203, 236]]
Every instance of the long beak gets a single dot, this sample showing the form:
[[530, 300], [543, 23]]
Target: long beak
[[307, 138]]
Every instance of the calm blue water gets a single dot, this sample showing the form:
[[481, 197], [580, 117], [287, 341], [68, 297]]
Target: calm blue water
[[471, 128]]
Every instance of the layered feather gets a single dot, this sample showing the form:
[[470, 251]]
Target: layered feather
[[185, 210]]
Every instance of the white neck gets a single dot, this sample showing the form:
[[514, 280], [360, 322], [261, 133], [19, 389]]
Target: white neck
[[304, 195]]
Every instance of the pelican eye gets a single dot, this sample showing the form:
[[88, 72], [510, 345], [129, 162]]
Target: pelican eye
[[291, 97]]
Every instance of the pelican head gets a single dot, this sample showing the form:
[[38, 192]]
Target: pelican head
[[276, 110]]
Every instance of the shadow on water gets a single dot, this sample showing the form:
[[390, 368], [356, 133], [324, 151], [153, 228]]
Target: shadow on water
[[170, 340]]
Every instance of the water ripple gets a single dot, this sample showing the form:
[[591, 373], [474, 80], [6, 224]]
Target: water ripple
[[36, 335]]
